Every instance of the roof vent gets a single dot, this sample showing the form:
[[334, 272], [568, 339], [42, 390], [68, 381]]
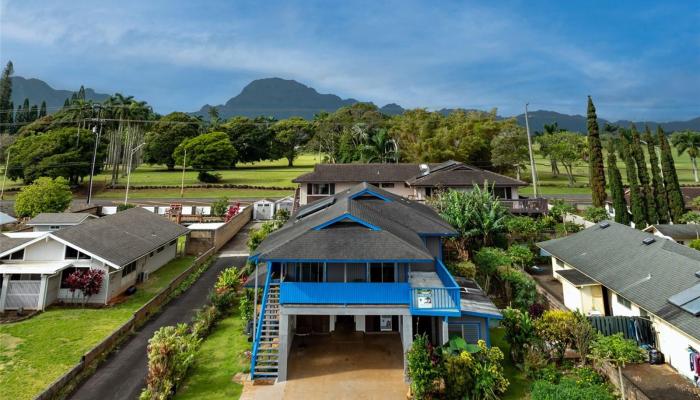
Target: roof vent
[[697, 274], [648, 241], [604, 224], [424, 169]]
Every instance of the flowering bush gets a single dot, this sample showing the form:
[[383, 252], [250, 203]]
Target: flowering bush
[[87, 280]]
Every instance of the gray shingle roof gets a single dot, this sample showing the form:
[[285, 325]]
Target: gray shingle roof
[[575, 277], [8, 243], [449, 173], [645, 274], [59, 218], [399, 222], [474, 300], [679, 231], [122, 237]]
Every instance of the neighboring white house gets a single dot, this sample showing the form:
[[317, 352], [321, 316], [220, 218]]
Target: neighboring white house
[[679, 233], [48, 222], [611, 269], [127, 246]]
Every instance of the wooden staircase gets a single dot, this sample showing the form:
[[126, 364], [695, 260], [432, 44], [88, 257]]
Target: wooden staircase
[[266, 350]]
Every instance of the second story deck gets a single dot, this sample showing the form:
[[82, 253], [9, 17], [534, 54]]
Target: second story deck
[[425, 290]]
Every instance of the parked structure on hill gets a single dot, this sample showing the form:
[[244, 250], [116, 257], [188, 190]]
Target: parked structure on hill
[[611, 269], [362, 259], [127, 246], [679, 233], [414, 182]]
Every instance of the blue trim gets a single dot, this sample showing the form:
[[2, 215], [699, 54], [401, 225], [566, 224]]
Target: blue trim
[[488, 333], [351, 218], [258, 331], [482, 315], [359, 260], [372, 192]]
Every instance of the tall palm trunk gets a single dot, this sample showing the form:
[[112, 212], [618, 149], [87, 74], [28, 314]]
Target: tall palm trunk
[[694, 162]]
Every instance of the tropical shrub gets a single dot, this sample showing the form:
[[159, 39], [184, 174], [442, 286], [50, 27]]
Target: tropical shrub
[[487, 260], [595, 214], [87, 280], [536, 309], [582, 335], [124, 207], [256, 236], [487, 373], [245, 305], [203, 320], [463, 268], [569, 389], [457, 376], [568, 228], [694, 244], [559, 208], [536, 363], [521, 256], [520, 289], [617, 350], [219, 207], [553, 327], [520, 332], [170, 351], [522, 227], [209, 177], [691, 217], [423, 367]]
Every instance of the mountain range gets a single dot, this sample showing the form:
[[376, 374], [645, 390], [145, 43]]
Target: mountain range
[[283, 98], [37, 91]]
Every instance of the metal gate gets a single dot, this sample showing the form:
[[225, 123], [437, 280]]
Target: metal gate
[[24, 294]]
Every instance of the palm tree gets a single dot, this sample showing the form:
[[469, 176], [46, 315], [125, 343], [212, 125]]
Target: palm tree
[[688, 142], [379, 147], [550, 129]]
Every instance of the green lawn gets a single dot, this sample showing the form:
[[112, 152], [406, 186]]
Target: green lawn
[[35, 352], [218, 359], [519, 384], [193, 193]]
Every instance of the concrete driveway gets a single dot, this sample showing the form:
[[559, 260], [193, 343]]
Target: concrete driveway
[[338, 367]]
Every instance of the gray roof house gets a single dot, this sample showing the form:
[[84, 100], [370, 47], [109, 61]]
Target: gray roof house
[[413, 181], [680, 233], [612, 269], [363, 259], [126, 246], [45, 222]]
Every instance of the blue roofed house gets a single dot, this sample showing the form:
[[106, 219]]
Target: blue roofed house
[[363, 260]]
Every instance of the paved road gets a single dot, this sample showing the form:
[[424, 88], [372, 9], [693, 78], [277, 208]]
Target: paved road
[[123, 375]]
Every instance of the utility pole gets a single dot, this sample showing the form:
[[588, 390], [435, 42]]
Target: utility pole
[[532, 157], [182, 183], [98, 134], [128, 176], [4, 175]]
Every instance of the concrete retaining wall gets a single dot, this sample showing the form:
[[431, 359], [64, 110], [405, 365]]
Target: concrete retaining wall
[[201, 241]]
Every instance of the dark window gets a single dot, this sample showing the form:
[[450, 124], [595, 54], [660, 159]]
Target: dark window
[[54, 227], [17, 255], [73, 254], [25, 277], [160, 249], [502, 192], [428, 192], [381, 272], [311, 272], [129, 268], [322, 188], [65, 274], [624, 302], [387, 185]]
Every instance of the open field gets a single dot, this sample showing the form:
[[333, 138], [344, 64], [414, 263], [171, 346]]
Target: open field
[[35, 352], [219, 358], [194, 193]]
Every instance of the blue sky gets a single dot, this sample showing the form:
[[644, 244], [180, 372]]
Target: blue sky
[[638, 59]]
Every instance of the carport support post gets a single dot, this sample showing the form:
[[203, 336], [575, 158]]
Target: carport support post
[[3, 292], [283, 353], [445, 331], [406, 339]]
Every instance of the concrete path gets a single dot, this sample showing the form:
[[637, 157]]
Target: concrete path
[[123, 375]]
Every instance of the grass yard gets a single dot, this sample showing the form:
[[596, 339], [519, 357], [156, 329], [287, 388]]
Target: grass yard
[[35, 352], [193, 193], [519, 386], [219, 358]]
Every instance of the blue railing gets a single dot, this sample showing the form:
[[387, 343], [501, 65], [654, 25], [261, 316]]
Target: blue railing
[[258, 327], [345, 293], [428, 300]]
